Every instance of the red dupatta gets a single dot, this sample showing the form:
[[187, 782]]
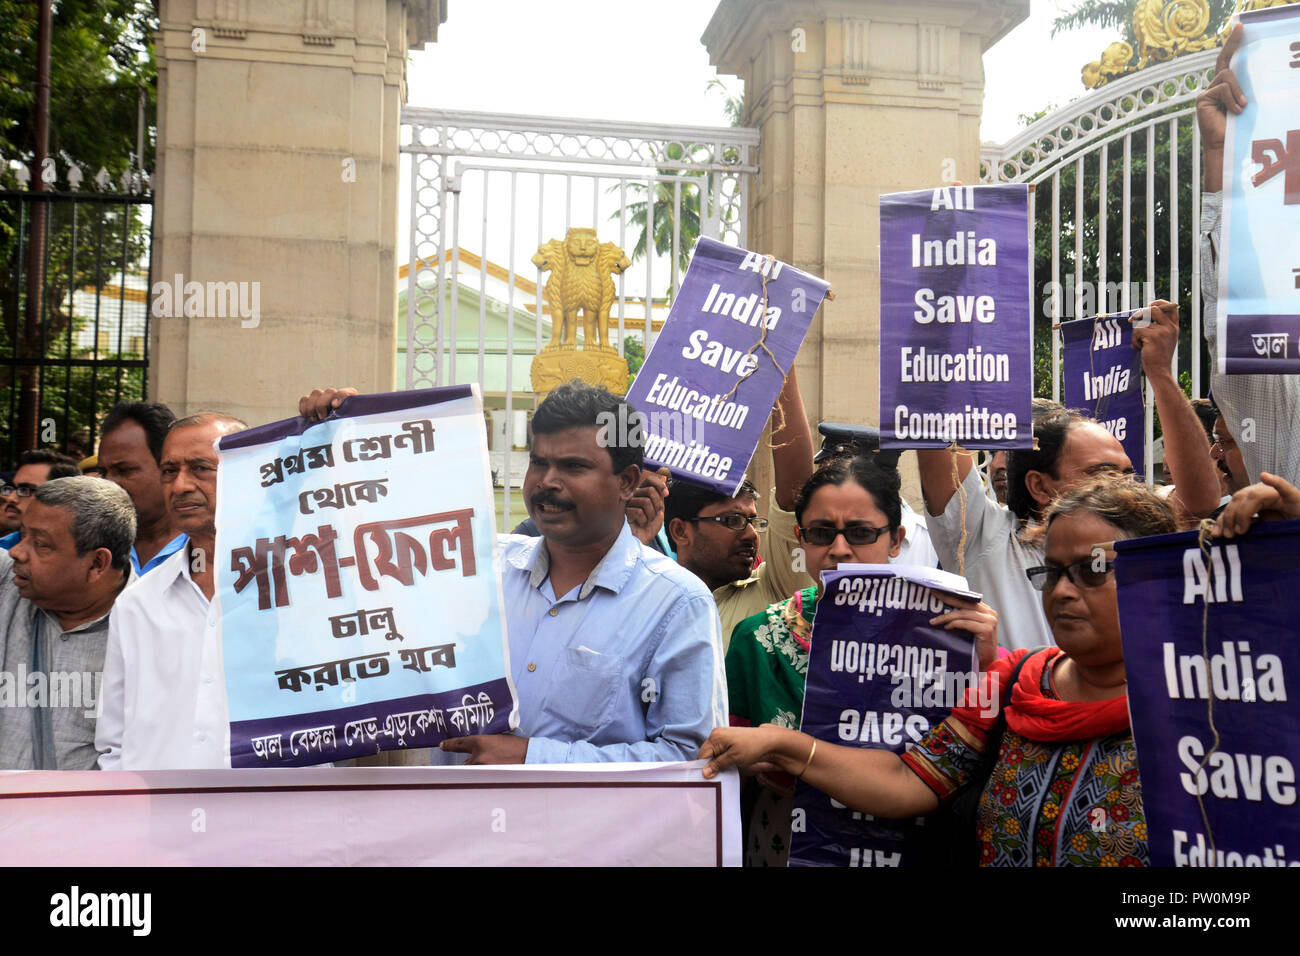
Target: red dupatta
[[1036, 717]]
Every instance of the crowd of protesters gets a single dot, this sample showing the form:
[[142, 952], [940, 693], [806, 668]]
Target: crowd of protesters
[[622, 580]]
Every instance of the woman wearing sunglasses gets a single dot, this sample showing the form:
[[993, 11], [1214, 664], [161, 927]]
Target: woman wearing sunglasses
[[1064, 790], [849, 511]]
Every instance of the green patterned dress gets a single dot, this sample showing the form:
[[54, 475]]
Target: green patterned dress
[[767, 662]]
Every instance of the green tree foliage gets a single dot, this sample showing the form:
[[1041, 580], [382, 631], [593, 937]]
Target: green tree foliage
[[634, 353], [682, 192], [1119, 15], [685, 190], [102, 70]]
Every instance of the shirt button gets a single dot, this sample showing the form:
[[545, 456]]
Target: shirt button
[[531, 668], [207, 678], [201, 736], [554, 611]]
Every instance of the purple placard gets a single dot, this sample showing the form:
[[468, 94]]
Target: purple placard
[[700, 423], [878, 676], [410, 723], [1263, 344], [956, 325], [1245, 691], [1103, 378]]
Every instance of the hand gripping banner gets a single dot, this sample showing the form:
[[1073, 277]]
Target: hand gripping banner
[[879, 676]]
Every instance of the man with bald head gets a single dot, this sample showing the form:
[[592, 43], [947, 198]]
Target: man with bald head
[[164, 688], [1000, 543]]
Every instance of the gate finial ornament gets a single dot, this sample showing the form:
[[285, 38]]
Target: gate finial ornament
[[1164, 29], [581, 267]]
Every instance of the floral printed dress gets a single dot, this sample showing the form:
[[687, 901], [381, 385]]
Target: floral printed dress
[[767, 663], [1074, 799]]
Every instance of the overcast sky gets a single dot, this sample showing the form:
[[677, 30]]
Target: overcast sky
[[642, 61]]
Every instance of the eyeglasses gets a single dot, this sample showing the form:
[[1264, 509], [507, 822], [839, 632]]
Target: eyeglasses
[[23, 491], [855, 535], [1083, 573], [737, 522]]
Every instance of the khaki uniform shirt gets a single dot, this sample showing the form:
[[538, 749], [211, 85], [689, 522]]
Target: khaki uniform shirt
[[775, 580]]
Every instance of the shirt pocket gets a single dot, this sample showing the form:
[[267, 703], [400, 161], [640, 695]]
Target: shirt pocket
[[584, 690]]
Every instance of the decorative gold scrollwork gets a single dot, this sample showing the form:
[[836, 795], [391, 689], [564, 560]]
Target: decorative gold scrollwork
[[1164, 29]]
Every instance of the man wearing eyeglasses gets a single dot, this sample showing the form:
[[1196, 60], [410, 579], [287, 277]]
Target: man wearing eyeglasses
[[35, 468], [718, 538]]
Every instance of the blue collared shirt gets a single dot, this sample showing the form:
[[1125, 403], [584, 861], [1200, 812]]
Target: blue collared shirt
[[9, 540], [170, 548], [625, 667]]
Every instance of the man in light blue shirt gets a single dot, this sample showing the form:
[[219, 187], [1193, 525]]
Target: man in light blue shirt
[[615, 650], [624, 666]]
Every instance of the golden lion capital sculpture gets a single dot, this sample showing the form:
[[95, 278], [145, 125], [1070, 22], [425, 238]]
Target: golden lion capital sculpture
[[581, 282]]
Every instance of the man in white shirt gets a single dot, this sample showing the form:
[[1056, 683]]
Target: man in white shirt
[[992, 546], [164, 685]]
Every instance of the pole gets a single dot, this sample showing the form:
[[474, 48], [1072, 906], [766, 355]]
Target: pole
[[29, 398]]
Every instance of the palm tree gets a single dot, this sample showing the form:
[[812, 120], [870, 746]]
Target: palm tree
[[689, 185]]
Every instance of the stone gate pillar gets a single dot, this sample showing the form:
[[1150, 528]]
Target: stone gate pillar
[[276, 192], [852, 98]]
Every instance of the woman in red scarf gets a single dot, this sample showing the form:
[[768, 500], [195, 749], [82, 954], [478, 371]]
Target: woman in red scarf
[[1064, 790]]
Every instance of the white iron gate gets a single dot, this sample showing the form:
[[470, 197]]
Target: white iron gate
[[488, 189], [1115, 180]]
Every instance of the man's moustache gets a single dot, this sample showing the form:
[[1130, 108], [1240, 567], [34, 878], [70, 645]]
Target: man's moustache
[[539, 500]]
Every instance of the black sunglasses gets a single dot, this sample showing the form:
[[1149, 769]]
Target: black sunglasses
[[1083, 573], [857, 534]]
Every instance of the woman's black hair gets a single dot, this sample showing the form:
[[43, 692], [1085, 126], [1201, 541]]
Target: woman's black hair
[[883, 484]]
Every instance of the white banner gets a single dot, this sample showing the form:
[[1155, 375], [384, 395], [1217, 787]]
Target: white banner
[[1259, 283], [337, 541], [653, 814]]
